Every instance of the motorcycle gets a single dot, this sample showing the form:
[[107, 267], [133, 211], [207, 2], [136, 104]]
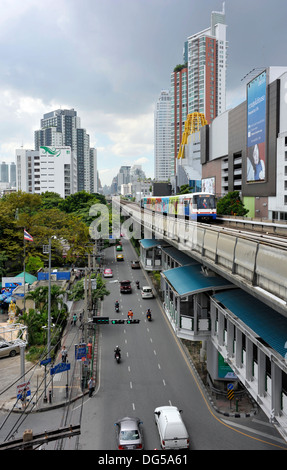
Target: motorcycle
[[138, 284], [118, 357], [117, 307], [148, 315]]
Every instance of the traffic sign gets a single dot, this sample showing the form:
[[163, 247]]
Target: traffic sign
[[45, 361], [20, 389], [80, 351], [230, 391], [61, 367]]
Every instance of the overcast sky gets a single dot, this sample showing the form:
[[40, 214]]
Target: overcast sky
[[110, 59]]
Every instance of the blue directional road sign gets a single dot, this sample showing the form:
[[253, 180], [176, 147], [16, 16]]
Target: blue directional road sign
[[45, 361], [61, 367], [80, 351]]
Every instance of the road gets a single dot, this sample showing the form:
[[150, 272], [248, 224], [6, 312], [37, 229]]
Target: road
[[154, 371]]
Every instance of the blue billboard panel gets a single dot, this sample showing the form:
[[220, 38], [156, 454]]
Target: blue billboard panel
[[256, 128]]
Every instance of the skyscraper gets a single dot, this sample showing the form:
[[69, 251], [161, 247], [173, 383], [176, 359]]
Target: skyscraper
[[179, 107], [207, 68], [62, 127], [162, 137]]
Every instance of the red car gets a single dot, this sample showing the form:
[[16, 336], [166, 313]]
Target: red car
[[125, 287]]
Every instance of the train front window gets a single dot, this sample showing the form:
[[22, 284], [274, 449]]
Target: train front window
[[205, 202]]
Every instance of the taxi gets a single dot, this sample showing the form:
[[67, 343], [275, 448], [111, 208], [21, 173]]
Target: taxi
[[108, 272]]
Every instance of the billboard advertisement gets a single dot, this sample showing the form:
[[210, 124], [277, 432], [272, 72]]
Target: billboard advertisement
[[256, 128]]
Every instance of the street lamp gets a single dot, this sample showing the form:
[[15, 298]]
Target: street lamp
[[47, 249]]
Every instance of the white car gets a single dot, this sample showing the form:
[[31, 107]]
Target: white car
[[108, 272], [147, 292], [172, 431]]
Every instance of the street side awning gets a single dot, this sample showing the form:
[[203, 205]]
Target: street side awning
[[191, 279], [147, 243], [266, 323]]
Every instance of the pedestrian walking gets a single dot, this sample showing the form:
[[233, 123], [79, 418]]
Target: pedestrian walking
[[24, 398], [64, 353], [75, 318], [91, 387]]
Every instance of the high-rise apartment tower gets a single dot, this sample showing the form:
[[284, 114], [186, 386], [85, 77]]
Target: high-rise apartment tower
[[62, 127], [162, 137], [207, 51]]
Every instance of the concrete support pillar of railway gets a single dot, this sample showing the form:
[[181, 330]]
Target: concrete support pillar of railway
[[230, 338], [261, 358], [220, 328], [276, 389], [238, 349], [213, 319], [249, 360], [195, 324], [203, 351], [177, 312]]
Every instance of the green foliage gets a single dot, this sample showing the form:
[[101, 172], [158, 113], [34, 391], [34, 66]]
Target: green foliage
[[185, 189], [231, 204], [78, 291], [33, 264]]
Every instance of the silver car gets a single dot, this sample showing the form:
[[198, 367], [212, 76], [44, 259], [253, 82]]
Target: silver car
[[9, 348], [129, 434]]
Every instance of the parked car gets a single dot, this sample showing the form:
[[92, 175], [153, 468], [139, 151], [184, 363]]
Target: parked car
[[9, 348], [120, 257], [125, 287], [108, 272], [135, 264], [129, 434], [147, 292], [172, 431]]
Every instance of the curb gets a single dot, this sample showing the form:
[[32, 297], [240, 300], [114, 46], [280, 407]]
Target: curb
[[210, 398]]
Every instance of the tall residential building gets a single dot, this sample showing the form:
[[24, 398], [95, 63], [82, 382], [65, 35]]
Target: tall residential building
[[94, 186], [207, 51], [12, 175], [199, 84], [179, 108], [4, 172], [162, 137], [62, 127]]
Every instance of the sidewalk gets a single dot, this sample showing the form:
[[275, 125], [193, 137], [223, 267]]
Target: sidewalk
[[61, 386]]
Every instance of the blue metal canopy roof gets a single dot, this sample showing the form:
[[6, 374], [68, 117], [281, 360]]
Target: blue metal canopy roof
[[265, 322], [151, 242], [179, 256], [190, 279]]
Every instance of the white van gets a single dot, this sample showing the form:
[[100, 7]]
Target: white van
[[171, 429], [146, 292]]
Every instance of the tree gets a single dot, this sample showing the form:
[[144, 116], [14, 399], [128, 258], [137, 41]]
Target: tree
[[231, 204], [185, 189], [33, 264]]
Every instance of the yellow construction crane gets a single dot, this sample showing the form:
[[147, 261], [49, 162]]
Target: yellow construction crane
[[193, 123]]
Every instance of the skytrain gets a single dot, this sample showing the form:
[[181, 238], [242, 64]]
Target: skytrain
[[194, 206]]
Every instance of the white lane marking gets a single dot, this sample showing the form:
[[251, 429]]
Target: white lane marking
[[163, 381]]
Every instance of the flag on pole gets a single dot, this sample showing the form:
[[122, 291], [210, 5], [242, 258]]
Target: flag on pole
[[28, 237]]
